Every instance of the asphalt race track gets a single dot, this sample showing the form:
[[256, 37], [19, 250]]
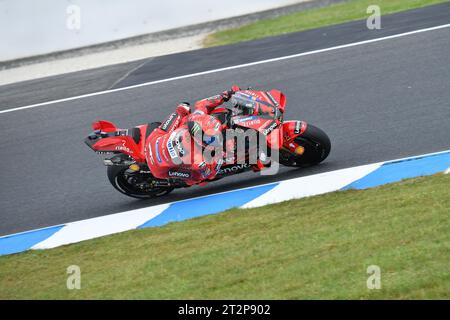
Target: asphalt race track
[[377, 101]]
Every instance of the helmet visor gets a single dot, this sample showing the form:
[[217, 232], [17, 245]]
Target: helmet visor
[[212, 140]]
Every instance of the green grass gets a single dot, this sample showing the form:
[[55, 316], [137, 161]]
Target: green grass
[[313, 18], [318, 247]]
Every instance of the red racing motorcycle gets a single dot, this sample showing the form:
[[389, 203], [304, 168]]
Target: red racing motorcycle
[[124, 150]]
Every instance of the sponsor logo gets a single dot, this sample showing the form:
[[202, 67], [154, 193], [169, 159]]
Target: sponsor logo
[[251, 123], [179, 174], [247, 121], [105, 152], [158, 156], [123, 147], [240, 120], [297, 127], [233, 169], [252, 93], [180, 147], [169, 121], [269, 129], [173, 154], [274, 101], [195, 128]]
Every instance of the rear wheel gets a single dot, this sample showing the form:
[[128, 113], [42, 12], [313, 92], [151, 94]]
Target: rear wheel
[[134, 184], [317, 147]]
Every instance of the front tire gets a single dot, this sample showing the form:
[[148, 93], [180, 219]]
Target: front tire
[[125, 183], [317, 147]]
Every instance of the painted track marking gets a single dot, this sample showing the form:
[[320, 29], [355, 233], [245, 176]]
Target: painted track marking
[[354, 44]]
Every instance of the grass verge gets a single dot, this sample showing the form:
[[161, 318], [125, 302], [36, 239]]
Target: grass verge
[[313, 248], [312, 18]]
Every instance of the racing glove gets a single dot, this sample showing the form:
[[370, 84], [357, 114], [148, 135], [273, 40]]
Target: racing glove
[[226, 95], [183, 109]]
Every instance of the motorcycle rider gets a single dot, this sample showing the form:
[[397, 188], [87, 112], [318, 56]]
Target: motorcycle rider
[[176, 148]]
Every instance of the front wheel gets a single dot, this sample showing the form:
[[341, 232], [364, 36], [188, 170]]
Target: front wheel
[[133, 184], [316, 144]]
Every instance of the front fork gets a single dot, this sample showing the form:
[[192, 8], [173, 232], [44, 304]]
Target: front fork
[[293, 148]]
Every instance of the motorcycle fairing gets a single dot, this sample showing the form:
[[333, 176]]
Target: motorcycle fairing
[[273, 98], [291, 130], [104, 126], [107, 138]]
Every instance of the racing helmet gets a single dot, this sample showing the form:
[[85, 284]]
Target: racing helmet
[[206, 130]]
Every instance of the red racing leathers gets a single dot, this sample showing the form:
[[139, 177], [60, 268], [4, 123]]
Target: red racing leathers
[[172, 153]]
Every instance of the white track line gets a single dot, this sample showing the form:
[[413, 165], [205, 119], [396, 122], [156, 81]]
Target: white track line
[[354, 44]]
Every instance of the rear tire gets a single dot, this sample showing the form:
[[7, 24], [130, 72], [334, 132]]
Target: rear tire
[[121, 182], [317, 148]]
